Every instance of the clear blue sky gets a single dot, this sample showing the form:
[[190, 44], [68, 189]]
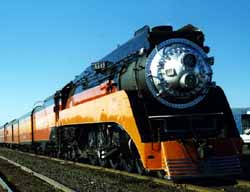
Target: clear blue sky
[[44, 44]]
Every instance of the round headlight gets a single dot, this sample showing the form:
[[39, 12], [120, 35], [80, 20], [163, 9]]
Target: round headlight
[[190, 81]]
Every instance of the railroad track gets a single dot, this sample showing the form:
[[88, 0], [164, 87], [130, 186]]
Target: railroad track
[[133, 175], [181, 186], [48, 180], [5, 186], [240, 183]]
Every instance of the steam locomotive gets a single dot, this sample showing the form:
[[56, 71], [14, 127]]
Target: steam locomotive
[[150, 105]]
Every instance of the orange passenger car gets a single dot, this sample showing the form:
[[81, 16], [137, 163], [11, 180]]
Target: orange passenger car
[[8, 133], [2, 135]]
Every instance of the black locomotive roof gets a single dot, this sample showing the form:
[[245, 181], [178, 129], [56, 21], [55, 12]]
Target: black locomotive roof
[[146, 38]]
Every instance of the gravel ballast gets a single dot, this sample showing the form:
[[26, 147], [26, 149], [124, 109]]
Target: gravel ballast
[[19, 180], [85, 179], [88, 179]]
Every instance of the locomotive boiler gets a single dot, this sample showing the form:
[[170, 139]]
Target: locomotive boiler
[[150, 105]]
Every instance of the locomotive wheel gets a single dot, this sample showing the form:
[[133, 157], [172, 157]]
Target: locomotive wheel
[[139, 167], [103, 162], [115, 163], [39, 151], [73, 155], [128, 165], [93, 159], [161, 174], [92, 156]]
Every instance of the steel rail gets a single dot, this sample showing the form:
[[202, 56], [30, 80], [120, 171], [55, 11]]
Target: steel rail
[[4, 185], [40, 176]]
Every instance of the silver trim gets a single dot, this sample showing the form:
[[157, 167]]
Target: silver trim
[[161, 85], [186, 115]]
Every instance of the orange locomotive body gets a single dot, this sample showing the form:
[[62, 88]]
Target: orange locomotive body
[[150, 105]]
